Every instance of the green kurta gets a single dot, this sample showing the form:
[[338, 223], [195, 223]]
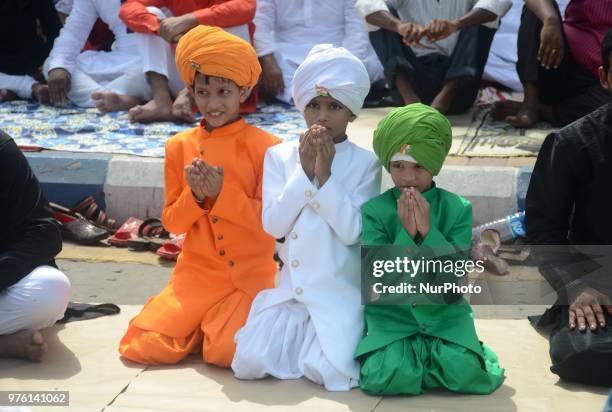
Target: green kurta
[[412, 348]]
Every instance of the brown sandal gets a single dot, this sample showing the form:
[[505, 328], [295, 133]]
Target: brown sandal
[[94, 213]]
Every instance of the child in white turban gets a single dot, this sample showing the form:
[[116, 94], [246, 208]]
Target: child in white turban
[[312, 194]]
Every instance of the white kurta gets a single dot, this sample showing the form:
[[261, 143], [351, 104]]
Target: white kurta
[[119, 70], [290, 28], [312, 322]]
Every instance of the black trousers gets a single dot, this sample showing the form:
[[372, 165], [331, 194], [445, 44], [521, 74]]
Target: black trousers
[[572, 90], [429, 73], [584, 358]]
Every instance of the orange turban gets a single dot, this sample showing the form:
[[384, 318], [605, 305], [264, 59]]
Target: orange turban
[[214, 52]]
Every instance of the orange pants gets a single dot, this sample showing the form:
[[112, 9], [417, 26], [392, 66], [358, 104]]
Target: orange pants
[[199, 309]]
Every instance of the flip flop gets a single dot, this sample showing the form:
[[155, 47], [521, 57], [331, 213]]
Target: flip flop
[[84, 311], [151, 236], [172, 248], [127, 231]]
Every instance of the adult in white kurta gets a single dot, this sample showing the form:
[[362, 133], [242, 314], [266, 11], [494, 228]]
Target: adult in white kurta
[[311, 323], [288, 29], [118, 71]]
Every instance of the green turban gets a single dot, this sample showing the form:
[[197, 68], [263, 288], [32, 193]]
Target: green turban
[[417, 130]]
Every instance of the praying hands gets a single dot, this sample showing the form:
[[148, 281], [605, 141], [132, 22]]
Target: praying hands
[[413, 211], [317, 152], [204, 180]]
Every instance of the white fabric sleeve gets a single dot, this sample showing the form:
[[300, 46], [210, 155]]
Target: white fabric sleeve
[[341, 209], [73, 36], [20, 85], [283, 198], [265, 23], [355, 34], [498, 7]]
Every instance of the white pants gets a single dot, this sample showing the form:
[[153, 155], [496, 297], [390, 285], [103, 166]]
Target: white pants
[[35, 302], [116, 72], [20, 85], [158, 56]]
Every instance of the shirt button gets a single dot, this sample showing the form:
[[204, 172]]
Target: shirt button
[[222, 252], [219, 237], [308, 193], [423, 327], [295, 263], [214, 219], [230, 263], [315, 205], [299, 291], [293, 235]]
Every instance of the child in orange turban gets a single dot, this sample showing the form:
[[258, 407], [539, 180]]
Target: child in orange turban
[[213, 182]]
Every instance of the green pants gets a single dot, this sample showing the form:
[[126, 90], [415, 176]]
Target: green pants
[[415, 364]]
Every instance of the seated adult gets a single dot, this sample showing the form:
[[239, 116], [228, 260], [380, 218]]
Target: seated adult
[[33, 292], [159, 24], [568, 204], [434, 51], [22, 48], [111, 81], [558, 63], [288, 29]]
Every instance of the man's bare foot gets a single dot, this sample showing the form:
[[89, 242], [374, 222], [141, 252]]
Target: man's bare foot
[[527, 116], [181, 109], [151, 112], [40, 93], [26, 344], [113, 102], [7, 95], [505, 108]]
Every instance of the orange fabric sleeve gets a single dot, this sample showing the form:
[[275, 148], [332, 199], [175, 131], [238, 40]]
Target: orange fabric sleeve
[[135, 15], [181, 210], [227, 14]]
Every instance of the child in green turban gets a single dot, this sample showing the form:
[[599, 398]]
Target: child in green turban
[[413, 347]]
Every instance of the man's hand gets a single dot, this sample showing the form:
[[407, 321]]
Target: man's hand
[[59, 86], [272, 75], [421, 212], [405, 211], [411, 34], [587, 306], [326, 151], [308, 153], [440, 29], [552, 48], [171, 28]]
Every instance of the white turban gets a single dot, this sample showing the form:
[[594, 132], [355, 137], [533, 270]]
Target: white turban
[[334, 71]]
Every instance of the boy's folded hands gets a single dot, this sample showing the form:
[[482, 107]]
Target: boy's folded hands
[[317, 153], [204, 180]]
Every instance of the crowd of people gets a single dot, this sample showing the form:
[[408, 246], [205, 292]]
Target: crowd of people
[[234, 188]]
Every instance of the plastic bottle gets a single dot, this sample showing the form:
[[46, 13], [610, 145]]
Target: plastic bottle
[[509, 228]]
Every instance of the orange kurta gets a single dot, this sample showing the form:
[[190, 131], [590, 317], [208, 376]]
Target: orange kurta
[[227, 257]]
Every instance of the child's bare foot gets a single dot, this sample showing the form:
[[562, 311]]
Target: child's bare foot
[[7, 95], [505, 108], [181, 109], [152, 111], [40, 93], [527, 116], [26, 344], [113, 102]]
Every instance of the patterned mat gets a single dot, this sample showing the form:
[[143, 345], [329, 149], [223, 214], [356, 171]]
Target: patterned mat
[[86, 130], [486, 137]]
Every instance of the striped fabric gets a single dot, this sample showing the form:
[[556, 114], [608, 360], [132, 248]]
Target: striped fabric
[[586, 23]]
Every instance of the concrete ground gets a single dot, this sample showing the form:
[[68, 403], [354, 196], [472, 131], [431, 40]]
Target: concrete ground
[[82, 358]]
